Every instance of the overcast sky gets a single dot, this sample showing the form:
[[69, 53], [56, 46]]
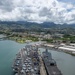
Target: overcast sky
[[57, 11]]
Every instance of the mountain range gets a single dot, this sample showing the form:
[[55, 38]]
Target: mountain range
[[35, 25]]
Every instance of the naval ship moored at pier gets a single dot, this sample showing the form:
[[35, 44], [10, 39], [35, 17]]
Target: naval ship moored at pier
[[50, 64]]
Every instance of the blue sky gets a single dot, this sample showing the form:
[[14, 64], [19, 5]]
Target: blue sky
[[57, 11], [71, 1]]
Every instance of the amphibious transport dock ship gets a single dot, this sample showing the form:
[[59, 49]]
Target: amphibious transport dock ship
[[50, 64], [27, 61]]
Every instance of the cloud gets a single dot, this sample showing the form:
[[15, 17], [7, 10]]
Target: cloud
[[37, 11]]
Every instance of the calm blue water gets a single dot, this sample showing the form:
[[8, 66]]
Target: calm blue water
[[8, 50]]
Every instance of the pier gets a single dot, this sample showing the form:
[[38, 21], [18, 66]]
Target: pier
[[42, 68]]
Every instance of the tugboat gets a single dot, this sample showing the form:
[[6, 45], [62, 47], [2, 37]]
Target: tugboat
[[50, 64]]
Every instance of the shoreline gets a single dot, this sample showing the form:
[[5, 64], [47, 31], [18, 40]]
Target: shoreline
[[63, 48], [59, 48]]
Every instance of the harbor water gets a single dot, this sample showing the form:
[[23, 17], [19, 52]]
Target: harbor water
[[9, 49]]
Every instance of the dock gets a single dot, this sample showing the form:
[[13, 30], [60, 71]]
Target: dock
[[42, 67]]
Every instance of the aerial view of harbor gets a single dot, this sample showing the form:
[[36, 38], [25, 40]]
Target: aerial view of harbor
[[37, 37]]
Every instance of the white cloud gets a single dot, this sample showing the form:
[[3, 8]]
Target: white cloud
[[37, 11]]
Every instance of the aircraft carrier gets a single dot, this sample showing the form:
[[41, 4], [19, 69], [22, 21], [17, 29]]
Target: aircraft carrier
[[27, 62]]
